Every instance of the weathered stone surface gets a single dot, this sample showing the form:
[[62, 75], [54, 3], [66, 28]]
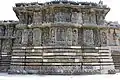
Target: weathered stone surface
[[58, 38]]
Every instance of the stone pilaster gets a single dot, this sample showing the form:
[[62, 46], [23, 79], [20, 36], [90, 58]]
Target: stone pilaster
[[52, 36], [25, 37], [75, 37], [37, 36], [69, 36]]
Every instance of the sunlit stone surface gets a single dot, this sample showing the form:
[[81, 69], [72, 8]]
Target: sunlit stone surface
[[60, 37]]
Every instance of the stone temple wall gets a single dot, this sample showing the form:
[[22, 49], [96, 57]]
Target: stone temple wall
[[7, 37], [58, 37]]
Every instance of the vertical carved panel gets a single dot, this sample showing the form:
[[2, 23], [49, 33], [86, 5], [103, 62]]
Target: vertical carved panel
[[69, 36], [0, 46], [115, 37], [2, 30], [36, 36], [100, 19], [80, 36], [74, 17], [93, 18], [75, 37], [29, 17], [21, 17], [45, 36], [85, 18], [103, 38], [88, 38], [52, 35], [6, 30], [25, 37], [60, 34], [6, 46], [79, 20], [10, 31], [30, 37], [96, 35], [18, 39]]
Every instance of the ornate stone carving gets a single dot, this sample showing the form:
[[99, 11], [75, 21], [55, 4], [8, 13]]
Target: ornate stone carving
[[69, 36], [29, 18], [60, 34], [103, 38], [6, 30], [76, 17], [37, 36], [10, 31], [30, 37], [80, 36], [85, 18], [1, 30], [52, 33], [115, 37], [62, 17], [18, 39], [25, 37], [88, 38], [96, 35], [93, 18], [6, 46], [75, 37], [45, 36], [21, 17]]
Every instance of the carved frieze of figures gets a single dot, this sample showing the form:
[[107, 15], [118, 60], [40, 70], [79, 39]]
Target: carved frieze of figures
[[103, 38], [25, 36], [37, 18], [76, 17], [62, 17], [59, 17], [37, 36], [69, 36], [75, 37], [88, 38]]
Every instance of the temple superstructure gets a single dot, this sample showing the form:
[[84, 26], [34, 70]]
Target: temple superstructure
[[61, 37]]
